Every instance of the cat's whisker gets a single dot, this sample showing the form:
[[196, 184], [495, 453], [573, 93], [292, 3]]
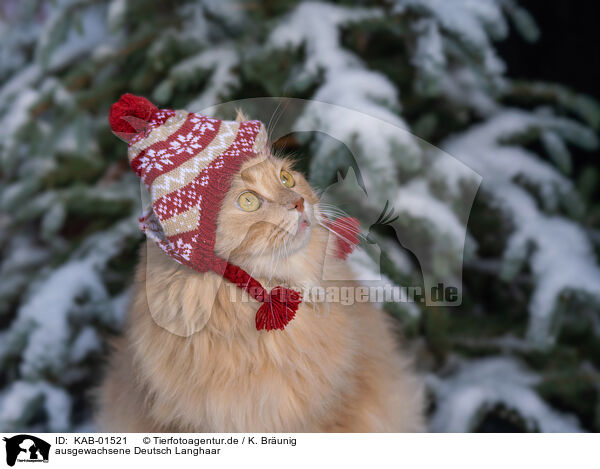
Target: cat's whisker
[[343, 238], [288, 281], [271, 241], [332, 217], [328, 205], [345, 225], [272, 125], [268, 242], [348, 227], [257, 264], [273, 265], [287, 254], [269, 127], [252, 272]]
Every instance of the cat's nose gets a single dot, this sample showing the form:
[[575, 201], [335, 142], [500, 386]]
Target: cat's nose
[[298, 205]]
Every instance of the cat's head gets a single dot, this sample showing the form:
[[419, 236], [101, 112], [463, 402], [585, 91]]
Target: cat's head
[[270, 210]]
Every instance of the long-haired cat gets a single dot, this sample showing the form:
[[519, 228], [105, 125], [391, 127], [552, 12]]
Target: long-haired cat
[[334, 368]]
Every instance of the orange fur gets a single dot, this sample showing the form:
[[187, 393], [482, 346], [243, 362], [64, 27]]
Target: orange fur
[[333, 368]]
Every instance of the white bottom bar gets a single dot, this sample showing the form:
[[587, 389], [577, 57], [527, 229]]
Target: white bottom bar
[[284, 451]]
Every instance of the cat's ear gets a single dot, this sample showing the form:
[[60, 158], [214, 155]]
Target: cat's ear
[[240, 117]]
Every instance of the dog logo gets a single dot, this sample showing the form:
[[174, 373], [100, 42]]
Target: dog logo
[[26, 448]]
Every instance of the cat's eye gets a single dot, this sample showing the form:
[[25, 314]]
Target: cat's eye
[[248, 202], [286, 178]]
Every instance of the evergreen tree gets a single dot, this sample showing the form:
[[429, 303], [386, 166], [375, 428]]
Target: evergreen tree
[[521, 352]]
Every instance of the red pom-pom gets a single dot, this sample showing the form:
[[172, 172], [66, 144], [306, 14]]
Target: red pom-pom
[[278, 309], [130, 106]]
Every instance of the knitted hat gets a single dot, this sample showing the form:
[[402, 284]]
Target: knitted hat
[[187, 161]]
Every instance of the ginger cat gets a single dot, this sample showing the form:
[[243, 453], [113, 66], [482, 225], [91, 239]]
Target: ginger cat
[[334, 368]]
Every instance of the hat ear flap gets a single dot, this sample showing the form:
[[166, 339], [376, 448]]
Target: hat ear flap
[[177, 301]]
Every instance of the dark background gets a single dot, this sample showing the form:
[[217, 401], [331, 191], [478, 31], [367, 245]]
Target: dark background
[[567, 50], [565, 53]]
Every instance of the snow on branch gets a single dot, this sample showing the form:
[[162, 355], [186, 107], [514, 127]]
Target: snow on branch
[[563, 257], [464, 397], [345, 81]]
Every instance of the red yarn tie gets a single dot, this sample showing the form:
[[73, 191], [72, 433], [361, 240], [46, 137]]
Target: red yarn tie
[[278, 307]]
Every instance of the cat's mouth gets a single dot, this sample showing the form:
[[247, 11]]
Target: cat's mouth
[[302, 235], [303, 225]]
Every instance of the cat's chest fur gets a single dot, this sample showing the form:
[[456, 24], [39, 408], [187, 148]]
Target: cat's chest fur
[[226, 375], [264, 381], [334, 369]]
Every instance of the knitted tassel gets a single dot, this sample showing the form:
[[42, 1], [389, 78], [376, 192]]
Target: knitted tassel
[[278, 309]]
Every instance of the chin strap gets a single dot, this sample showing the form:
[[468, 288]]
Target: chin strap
[[278, 307]]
